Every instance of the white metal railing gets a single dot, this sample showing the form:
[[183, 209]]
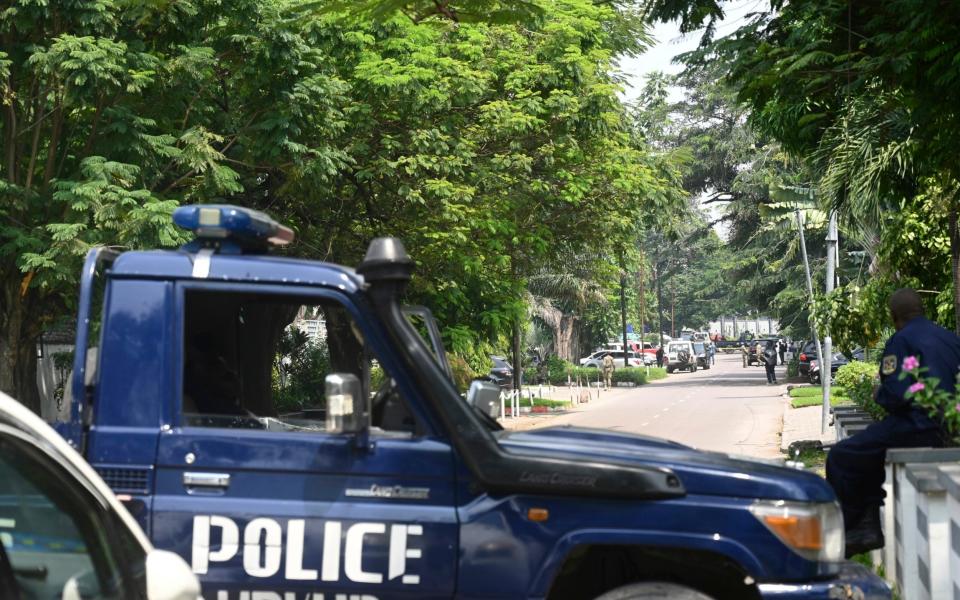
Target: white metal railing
[[949, 476], [917, 517]]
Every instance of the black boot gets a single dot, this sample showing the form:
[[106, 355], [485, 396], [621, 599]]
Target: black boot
[[866, 535]]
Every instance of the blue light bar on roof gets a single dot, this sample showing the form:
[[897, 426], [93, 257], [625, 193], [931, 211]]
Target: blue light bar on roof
[[224, 221]]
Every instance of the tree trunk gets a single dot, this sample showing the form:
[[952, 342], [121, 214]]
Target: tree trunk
[[566, 336], [565, 328], [19, 331], [643, 303], [955, 256], [517, 356]]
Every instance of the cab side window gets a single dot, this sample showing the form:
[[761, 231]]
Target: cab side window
[[259, 361]]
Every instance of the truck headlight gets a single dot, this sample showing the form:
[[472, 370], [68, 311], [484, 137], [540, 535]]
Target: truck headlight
[[812, 530]]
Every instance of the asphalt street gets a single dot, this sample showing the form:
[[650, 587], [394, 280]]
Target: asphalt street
[[726, 408]]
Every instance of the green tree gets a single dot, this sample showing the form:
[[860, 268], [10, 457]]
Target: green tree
[[490, 148], [866, 91], [116, 112]]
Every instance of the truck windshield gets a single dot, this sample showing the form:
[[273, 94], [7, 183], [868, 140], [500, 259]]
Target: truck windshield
[[259, 361]]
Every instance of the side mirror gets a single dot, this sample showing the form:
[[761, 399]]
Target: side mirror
[[169, 577], [485, 396], [346, 407]]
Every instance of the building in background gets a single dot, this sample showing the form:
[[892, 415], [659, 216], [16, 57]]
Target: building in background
[[731, 327]]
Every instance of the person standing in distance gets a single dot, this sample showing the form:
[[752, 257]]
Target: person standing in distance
[[769, 358], [608, 368], [660, 356], [855, 465]]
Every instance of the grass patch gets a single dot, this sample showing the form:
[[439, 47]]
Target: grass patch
[[814, 460], [817, 400], [549, 403], [815, 390], [657, 373]]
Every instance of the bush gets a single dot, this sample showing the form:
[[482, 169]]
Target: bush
[[793, 367], [463, 373], [857, 378], [557, 370], [634, 375], [530, 376]]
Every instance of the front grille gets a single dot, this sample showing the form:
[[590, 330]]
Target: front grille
[[127, 480]]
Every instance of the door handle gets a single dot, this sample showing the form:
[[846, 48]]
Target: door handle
[[206, 480]]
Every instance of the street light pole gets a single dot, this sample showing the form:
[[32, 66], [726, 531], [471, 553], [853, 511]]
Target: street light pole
[[825, 415], [826, 360], [660, 303], [623, 316]]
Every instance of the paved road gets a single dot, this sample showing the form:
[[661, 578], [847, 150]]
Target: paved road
[[726, 408]]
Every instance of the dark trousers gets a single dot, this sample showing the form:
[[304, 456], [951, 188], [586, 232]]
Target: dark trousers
[[855, 465], [771, 374]]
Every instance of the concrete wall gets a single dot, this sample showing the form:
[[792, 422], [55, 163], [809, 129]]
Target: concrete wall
[[767, 326]]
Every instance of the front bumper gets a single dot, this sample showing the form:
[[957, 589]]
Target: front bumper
[[853, 582]]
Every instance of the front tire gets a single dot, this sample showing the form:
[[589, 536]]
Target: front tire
[[654, 591]]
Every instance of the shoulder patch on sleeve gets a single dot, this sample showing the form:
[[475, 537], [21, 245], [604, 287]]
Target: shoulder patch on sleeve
[[889, 364]]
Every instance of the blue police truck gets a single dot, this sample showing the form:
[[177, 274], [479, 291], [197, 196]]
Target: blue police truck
[[292, 430]]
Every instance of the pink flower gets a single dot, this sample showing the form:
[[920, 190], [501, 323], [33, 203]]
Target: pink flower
[[910, 363], [913, 389], [957, 407]]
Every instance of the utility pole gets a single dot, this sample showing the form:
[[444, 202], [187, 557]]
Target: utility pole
[[643, 302], [673, 305], [826, 360], [623, 315], [825, 416], [659, 274]]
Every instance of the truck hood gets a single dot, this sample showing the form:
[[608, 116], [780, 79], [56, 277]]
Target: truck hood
[[702, 473]]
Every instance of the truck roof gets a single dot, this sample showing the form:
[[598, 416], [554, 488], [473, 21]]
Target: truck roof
[[179, 264]]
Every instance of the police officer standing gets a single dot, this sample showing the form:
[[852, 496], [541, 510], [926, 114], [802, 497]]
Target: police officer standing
[[855, 465]]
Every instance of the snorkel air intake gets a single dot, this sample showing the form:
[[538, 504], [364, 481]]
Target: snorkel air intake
[[386, 270]]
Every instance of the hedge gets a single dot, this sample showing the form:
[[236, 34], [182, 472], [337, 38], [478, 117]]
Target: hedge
[[556, 372], [857, 378]]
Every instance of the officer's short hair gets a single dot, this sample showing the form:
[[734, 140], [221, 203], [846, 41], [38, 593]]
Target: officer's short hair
[[905, 304]]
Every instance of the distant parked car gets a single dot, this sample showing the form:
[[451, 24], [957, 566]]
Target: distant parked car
[[598, 355], [808, 352], [633, 359], [756, 348], [702, 351], [501, 373]]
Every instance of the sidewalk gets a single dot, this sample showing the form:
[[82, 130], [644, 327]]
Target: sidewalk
[[803, 424]]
